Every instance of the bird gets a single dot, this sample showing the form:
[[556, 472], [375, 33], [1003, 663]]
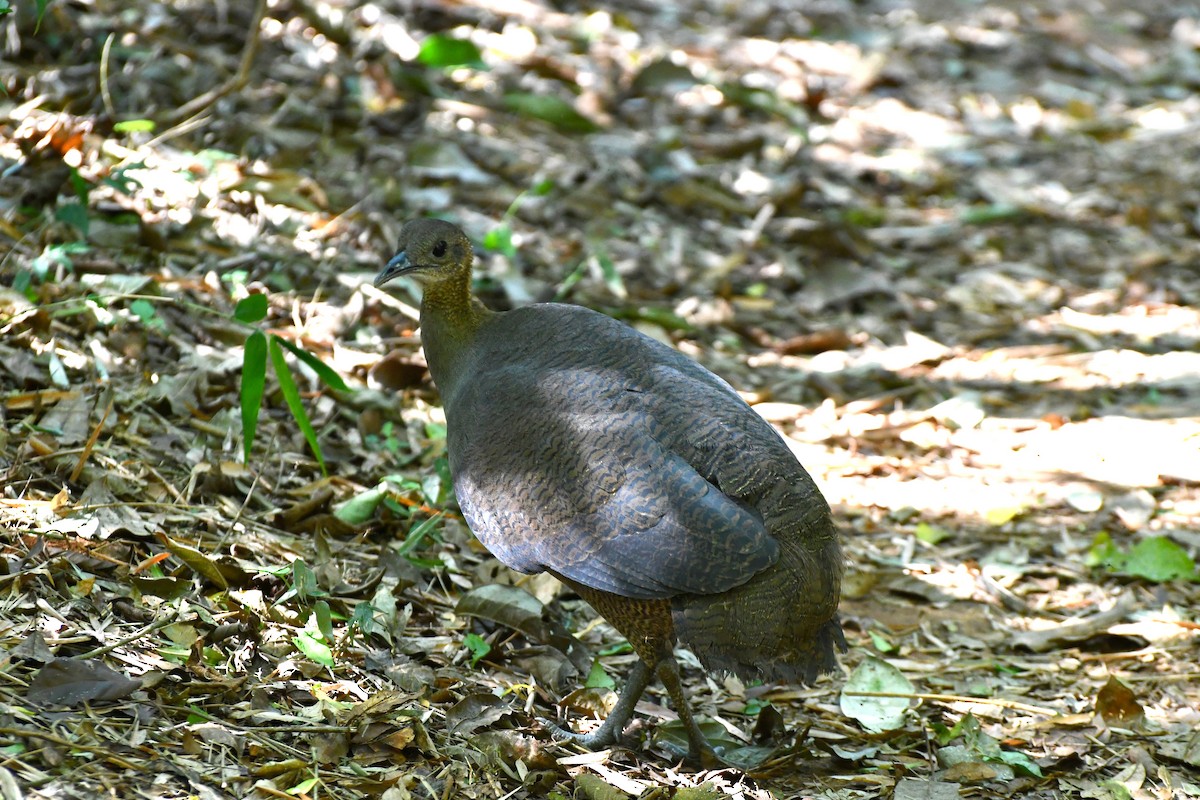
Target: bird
[[581, 447]]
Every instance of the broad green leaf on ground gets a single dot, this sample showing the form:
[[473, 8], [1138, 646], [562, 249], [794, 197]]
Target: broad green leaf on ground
[[930, 534], [75, 215], [876, 714], [1155, 558], [548, 108], [598, 677], [361, 507], [310, 644], [1159, 559]]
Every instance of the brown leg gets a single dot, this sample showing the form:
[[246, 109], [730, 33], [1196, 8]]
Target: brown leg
[[648, 627], [699, 750]]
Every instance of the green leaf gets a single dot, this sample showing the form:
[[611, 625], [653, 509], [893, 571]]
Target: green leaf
[[930, 534], [41, 13], [598, 677], [304, 580], [612, 278], [1116, 790], [663, 318], [997, 212], [80, 184], [972, 734], [417, 534], [236, 278], [324, 619], [880, 643], [1159, 559], [662, 74], [363, 619], [1021, 762], [549, 108], [1103, 553], [575, 276], [361, 507], [442, 467], [324, 372], [1003, 514], [477, 646], [134, 126], [426, 563], [75, 215], [941, 734], [876, 714], [56, 254], [314, 649], [755, 705], [304, 787], [291, 396], [123, 182], [254, 379], [196, 715], [500, 239], [251, 308], [145, 311], [440, 50], [23, 281]]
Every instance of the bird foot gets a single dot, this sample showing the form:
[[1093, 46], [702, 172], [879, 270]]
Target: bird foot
[[705, 755], [702, 754], [596, 740]]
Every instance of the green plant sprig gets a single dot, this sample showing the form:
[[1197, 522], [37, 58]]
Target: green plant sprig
[[259, 345]]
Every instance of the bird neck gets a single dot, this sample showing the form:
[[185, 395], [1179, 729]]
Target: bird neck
[[450, 320]]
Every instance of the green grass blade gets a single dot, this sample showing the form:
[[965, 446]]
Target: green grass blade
[[323, 370], [254, 379], [291, 396]]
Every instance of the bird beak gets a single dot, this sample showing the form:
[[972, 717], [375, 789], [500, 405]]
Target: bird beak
[[398, 265]]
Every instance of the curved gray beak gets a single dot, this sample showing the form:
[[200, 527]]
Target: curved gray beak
[[397, 265]]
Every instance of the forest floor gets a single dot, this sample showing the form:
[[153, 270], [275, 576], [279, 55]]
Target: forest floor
[[951, 249]]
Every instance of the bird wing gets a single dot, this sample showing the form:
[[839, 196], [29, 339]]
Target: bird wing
[[593, 475]]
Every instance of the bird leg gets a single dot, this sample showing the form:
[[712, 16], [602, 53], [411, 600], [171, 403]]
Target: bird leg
[[647, 626], [608, 733], [699, 750], [667, 669]]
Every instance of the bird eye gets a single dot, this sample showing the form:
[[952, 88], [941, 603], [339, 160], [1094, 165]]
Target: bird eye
[[439, 249]]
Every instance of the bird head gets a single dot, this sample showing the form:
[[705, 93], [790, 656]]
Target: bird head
[[430, 250]]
